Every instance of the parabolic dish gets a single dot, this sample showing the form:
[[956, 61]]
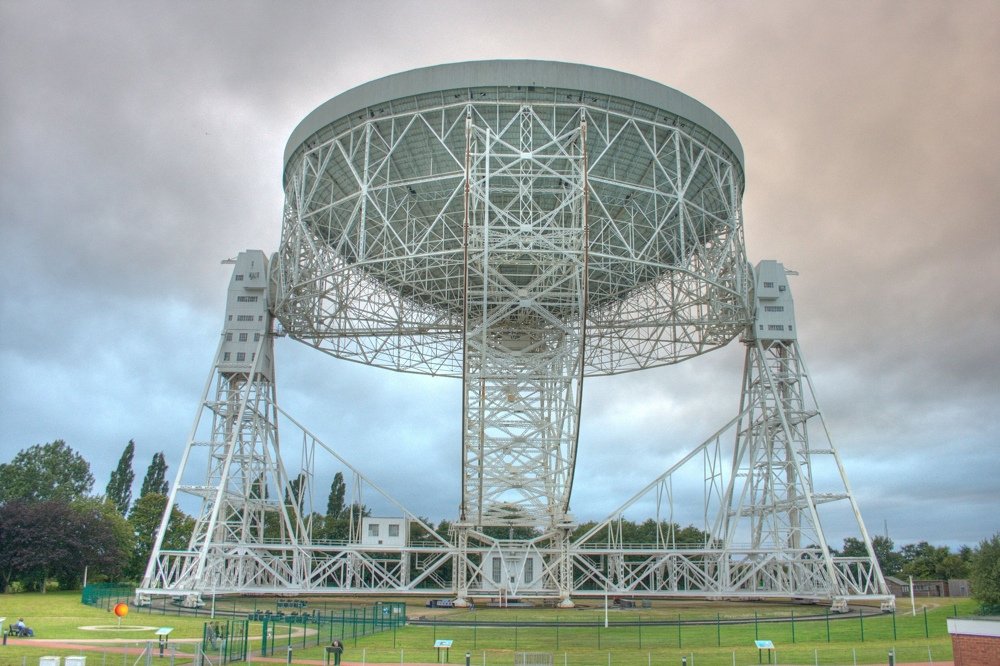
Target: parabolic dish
[[387, 184]]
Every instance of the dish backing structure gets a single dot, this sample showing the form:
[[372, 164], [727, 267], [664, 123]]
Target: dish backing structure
[[518, 225]]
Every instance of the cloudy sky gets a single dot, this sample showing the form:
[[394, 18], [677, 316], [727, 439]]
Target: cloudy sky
[[141, 144]]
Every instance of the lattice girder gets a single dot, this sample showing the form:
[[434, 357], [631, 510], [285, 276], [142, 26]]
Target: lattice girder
[[520, 236], [378, 205]]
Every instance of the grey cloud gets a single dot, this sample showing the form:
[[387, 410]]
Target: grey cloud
[[142, 143]]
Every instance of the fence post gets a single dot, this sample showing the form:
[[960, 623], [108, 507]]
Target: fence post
[[927, 633]]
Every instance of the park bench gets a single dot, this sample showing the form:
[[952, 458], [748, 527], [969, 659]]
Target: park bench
[[12, 631]]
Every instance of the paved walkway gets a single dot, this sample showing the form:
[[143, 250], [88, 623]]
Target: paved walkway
[[114, 645]]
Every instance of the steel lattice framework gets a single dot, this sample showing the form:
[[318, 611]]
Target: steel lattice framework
[[519, 225], [386, 208]]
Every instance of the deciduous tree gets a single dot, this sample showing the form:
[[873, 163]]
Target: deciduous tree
[[295, 492], [119, 489], [52, 471], [155, 480], [984, 574], [922, 560], [144, 522], [889, 561], [54, 540], [106, 541], [335, 502]]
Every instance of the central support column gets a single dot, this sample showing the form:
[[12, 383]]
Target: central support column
[[524, 307]]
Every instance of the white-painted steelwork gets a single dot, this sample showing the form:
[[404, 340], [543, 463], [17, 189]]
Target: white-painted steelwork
[[519, 225]]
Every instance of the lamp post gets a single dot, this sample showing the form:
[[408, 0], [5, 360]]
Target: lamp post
[[607, 581], [215, 581]]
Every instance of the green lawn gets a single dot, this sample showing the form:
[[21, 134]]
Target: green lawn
[[834, 641], [60, 615], [812, 638]]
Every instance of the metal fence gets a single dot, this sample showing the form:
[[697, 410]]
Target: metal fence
[[137, 653], [321, 628], [832, 656]]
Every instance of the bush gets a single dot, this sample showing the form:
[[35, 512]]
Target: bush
[[985, 572]]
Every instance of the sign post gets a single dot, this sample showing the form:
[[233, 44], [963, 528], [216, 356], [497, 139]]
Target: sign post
[[763, 646], [442, 645], [162, 635]]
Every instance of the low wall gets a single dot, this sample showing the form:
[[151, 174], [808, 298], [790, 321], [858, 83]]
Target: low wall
[[975, 641]]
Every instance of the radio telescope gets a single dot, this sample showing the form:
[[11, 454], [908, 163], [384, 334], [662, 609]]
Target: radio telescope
[[519, 226]]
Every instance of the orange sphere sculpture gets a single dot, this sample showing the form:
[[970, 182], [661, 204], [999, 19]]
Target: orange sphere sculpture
[[121, 610]]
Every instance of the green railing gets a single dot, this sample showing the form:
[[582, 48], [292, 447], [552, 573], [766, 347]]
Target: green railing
[[229, 639], [322, 627], [107, 595]]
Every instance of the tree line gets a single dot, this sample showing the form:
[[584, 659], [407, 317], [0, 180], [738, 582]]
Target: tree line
[[53, 529], [920, 560], [52, 526]]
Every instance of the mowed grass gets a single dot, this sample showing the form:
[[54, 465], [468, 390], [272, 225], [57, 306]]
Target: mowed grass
[[60, 615], [812, 637], [803, 637]]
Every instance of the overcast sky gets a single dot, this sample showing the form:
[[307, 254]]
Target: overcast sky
[[141, 144]]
